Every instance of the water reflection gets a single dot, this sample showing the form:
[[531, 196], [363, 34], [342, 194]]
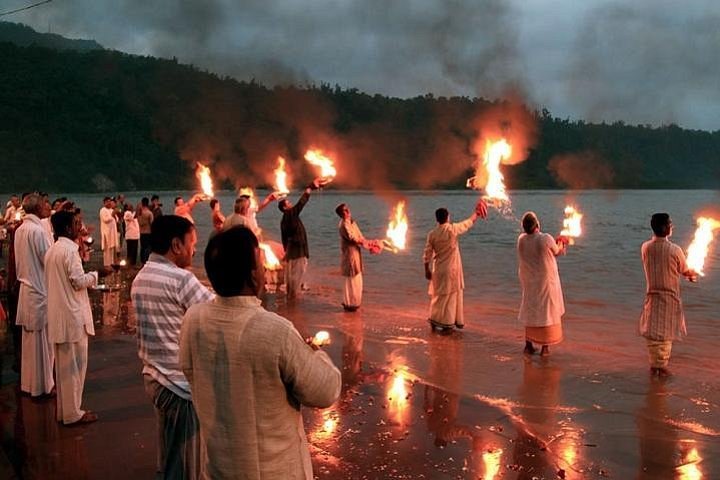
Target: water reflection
[[662, 454], [397, 392]]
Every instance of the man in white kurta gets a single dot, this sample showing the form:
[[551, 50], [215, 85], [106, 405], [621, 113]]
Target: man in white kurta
[[250, 371], [70, 319], [542, 305], [443, 267], [662, 320], [31, 244], [109, 238]]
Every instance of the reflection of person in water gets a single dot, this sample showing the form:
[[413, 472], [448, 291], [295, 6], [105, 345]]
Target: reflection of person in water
[[657, 437], [538, 396], [352, 353]]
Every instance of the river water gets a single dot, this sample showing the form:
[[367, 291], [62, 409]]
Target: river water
[[595, 389]]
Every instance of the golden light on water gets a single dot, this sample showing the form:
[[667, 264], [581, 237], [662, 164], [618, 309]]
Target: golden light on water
[[281, 180], [318, 159], [271, 261], [327, 426], [690, 470], [203, 174], [398, 227], [698, 249], [397, 394], [491, 463], [572, 223]]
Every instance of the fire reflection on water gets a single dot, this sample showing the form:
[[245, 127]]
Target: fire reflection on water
[[398, 395], [689, 468], [327, 426], [491, 463]]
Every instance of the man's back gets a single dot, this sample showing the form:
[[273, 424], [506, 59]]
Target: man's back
[[250, 371]]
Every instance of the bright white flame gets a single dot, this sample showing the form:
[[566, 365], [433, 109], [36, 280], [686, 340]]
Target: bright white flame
[[317, 158], [281, 177], [491, 462], [271, 261], [250, 193], [203, 174], [495, 153], [321, 338], [689, 470], [18, 216], [398, 226], [123, 263], [698, 249], [572, 223]]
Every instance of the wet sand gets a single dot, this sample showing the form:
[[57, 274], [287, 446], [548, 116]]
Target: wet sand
[[414, 404]]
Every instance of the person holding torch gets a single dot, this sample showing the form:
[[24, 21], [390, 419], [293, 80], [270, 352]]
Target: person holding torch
[[662, 320], [542, 305], [442, 252]]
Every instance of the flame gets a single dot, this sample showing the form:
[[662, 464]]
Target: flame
[[317, 158], [18, 216], [250, 193], [698, 249], [689, 469], [572, 223], [203, 174], [271, 261], [281, 177], [398, 227], [491, 462], [495, 153], [397, 395]]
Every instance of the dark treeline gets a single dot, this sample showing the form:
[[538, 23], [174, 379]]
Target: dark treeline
[[103, 120]]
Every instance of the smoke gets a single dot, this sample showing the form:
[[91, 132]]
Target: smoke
[[580, 171], [645, 63]]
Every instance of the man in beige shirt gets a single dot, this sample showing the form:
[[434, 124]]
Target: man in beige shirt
[[250, 371]]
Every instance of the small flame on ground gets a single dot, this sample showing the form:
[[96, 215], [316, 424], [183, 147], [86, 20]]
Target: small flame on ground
[[203, 174], [271, 261], [317, 158], [698, 249], [398, 227], [491, 462], [281, 177], [572, 223]]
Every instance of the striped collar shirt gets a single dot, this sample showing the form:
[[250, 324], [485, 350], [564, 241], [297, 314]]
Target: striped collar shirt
[[161, 293]]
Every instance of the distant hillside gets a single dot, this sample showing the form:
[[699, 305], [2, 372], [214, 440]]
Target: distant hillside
[[24, 36], [102, 120]]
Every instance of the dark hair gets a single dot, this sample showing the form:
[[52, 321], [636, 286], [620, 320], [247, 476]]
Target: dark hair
[[144, 202], [339, 209], [166, 227], [213, 202], [230, 261], [176, 199], [660, 224], [62, 223], [282, 203], [441, 215], [68, 206], [105, 199], [529, 222], [154, 197]]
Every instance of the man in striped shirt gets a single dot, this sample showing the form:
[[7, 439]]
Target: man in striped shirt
[[662, 319], [161, 293]]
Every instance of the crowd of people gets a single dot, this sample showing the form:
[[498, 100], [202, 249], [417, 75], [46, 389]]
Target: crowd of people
[[226, 377]]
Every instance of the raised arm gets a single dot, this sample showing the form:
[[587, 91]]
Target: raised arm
[[266, 201]]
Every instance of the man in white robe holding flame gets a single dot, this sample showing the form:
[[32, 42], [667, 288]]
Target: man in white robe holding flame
[[442, 252]]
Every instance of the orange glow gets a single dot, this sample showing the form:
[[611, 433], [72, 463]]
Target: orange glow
[[698, 249], [271, 262], [572, 224], [491, 463], [203, 174], [18, 216], [690, 470], [397, 228], [250, 193], [281, 178], [495, 153], [397, 395], [327, 168], [123, 263], [321, 338]]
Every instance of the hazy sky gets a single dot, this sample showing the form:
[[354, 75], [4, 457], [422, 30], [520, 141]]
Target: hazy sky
[[641, 61]]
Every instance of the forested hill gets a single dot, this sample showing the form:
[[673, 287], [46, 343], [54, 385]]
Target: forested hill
[[23, 36], [102, 120]]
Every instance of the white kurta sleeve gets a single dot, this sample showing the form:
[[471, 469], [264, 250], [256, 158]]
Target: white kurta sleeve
[[78, 278], [462, 227]]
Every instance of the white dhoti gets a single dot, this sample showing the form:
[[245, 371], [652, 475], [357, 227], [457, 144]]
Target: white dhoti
[[36, 370], [447, 309], [353, 291], [294, 274], [70, 369], [109, 255]]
